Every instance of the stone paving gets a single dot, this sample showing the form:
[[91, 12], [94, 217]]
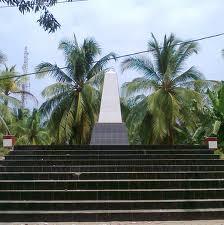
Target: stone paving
[[197, 222]]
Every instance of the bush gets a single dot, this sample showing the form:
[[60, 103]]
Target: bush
[[4, 151], [220, 152]]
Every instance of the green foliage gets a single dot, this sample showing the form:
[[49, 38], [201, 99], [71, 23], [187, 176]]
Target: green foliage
[[217, 101], [166, 83], [11, 87], [220, 152], [168, 103], [3, 151], [46, 20], [72, 103], [29, 129]]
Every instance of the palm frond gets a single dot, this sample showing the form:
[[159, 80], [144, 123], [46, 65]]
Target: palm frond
[[162, 54], [47, 107], [100, 65], [27, 94], [185, 95], [63, 113], [138, 85], [2, 121], [184, 51], [143, 65], [91, 49], [10, 100], [46, 68], [68, 47], [91, 99], [96, 81], [56, 89], [191, 74]]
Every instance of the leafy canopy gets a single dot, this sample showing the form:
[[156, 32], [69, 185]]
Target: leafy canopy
[[29, 128], [11, 87], [72, 103], [46, 19], [165, 83]]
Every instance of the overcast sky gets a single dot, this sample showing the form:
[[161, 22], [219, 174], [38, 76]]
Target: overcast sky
[[121, 26]]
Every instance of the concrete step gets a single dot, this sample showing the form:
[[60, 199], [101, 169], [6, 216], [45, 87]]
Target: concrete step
[[112, 215], [111, 156], [113, 162], [111, 152], [110, 175], [124, 194], [111, 204], [112, 168], [108, 147], [110, 184]]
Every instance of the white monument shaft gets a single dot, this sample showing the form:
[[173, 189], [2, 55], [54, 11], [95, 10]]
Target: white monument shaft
[[110, 109]]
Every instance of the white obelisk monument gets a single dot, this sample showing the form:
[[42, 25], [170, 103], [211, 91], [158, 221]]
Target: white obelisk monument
[[110, 130], [110, 109]]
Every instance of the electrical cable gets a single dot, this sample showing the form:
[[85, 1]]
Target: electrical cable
[[121, 56]]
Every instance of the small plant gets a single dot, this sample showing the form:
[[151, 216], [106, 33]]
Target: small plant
[[3, 151]]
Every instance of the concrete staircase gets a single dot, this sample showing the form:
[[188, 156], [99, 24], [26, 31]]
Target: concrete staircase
[[111, 183]]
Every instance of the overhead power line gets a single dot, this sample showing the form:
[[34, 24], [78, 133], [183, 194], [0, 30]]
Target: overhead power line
[[179, 43], [59, 2], [121, 56]]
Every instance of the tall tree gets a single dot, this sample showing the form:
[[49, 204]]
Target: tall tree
[[73, 101], [29, 129], [166, 83], [11, 87], [217, 100]]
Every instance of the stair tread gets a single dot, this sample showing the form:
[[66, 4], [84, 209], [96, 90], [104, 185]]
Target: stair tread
[[116, 190], [112, 211], [61, 160], [111, 180], [111, 201], [132, 165], [99, 154], [155, 197], [116, 172]]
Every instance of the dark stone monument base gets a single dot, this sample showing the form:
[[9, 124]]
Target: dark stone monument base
[[109, 134]]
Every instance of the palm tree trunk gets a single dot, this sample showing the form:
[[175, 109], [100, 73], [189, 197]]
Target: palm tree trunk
[[170, 136], [6, 101]]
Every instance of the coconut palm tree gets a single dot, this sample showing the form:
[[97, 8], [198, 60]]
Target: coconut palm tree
[[73, 101], [165, 82], [29, 129], [11, 87]]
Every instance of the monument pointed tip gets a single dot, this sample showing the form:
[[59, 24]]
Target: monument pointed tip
[[111, 70]]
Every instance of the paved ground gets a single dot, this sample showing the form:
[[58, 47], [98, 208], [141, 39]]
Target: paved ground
[[211, 222]]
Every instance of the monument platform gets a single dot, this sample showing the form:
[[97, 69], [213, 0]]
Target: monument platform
[[110, 130]]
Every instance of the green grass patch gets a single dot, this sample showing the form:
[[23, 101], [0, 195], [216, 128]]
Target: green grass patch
[[4, 151], [220, 152]]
